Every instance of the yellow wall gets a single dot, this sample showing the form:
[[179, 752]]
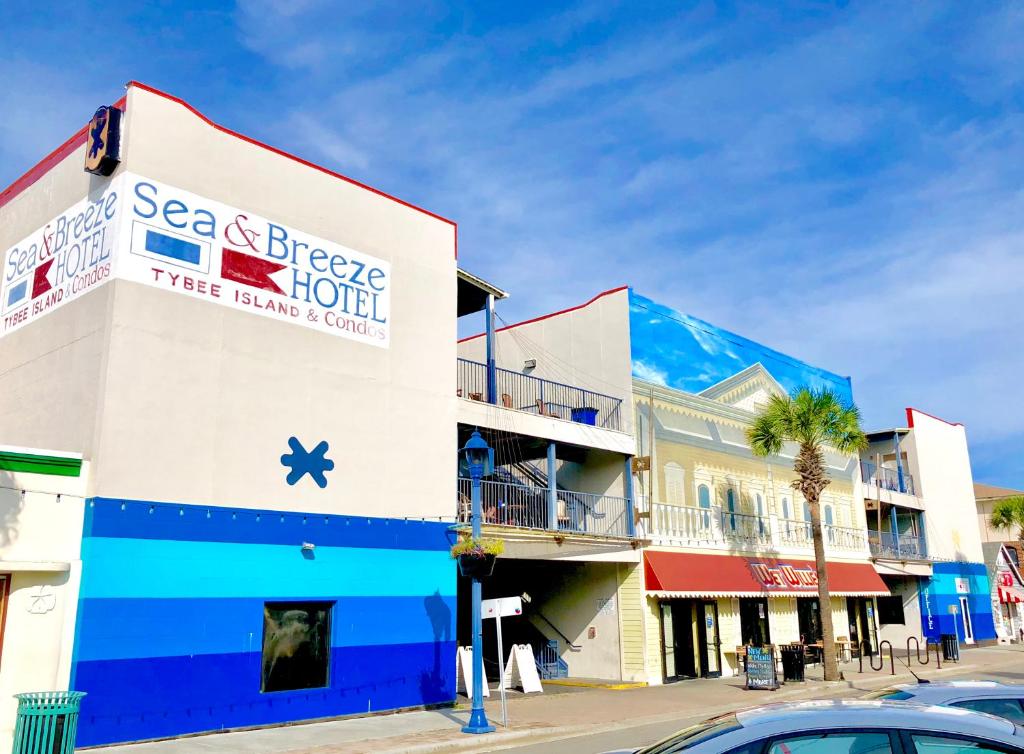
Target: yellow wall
[[631, 621]]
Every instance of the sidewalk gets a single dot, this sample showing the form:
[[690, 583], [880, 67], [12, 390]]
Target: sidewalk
[[560, 712]]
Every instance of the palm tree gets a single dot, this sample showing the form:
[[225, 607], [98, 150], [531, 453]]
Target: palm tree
[[1008, 513], [812, 419]]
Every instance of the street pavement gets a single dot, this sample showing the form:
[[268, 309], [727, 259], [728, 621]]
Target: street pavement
[[569, 719]]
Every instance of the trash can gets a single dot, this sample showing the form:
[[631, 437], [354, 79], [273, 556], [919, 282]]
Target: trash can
[[792, 662], [950, 647], [47, 722], [585, 415]]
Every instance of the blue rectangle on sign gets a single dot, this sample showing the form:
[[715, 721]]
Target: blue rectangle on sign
[[173, 248], [17, 293]]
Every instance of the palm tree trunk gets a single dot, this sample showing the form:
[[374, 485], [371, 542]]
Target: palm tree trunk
[[829, 660], [810, 466]]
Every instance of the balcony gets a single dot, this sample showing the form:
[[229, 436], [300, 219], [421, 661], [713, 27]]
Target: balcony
[[714, 527], [523, 392], [902, 547], [886, 479], [527, 507]]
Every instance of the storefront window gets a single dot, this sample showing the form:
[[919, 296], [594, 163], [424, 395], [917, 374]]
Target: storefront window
[[809, 617], [890, 611], [754, 621], [296, 645]]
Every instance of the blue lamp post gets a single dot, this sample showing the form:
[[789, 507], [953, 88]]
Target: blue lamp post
[[477, 459]]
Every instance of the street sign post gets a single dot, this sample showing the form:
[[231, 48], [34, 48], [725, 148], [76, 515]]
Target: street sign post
[[500, 608]]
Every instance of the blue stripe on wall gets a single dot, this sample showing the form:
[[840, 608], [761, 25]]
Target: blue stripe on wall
[[170, 624], [131, 700], [138, 519], [133, 568], [138, 628]]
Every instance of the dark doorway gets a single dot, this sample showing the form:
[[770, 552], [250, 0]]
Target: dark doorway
[[860, 613], [754, 621], [691, 646], [808, 614]]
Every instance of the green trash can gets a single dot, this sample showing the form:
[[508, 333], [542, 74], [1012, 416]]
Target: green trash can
[[47, 722]]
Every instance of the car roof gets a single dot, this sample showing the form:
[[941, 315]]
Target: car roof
[[937, 692], [883, 713]]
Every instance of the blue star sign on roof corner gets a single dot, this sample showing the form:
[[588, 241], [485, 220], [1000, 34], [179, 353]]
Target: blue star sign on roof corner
[[302, 462]]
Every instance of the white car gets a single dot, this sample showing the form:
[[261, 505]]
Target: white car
[[1001, 699], [846, 727]]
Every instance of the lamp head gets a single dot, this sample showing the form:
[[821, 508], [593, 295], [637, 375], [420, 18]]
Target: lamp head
[[476, 458]]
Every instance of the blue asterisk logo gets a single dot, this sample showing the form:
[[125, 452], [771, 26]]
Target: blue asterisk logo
[[302, 462]]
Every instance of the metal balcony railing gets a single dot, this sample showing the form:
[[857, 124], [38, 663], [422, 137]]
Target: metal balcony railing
[[524, 392], [885, 544], [684, 524], [526, 507], [887, 479]]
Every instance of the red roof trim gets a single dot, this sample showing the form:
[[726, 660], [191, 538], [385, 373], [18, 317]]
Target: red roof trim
[[49, 162], [275, 150], [548, 316], [910, 418]]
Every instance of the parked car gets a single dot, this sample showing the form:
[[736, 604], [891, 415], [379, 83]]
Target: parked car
[[1000, 699], [846, 727]]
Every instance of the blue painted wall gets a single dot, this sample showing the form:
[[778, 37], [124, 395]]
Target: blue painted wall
[[939, 592], [682, 352], [170, 621]]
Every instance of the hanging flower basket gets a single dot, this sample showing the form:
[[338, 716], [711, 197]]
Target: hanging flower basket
[[476, 556]]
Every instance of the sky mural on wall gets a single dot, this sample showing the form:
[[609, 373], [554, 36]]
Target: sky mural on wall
[[682, 352]]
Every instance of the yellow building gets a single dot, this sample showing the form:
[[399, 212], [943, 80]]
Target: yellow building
[[728, 558]]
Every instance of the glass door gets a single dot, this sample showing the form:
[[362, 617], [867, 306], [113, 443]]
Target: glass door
[[965, 615], [712, 643], [668, 642]]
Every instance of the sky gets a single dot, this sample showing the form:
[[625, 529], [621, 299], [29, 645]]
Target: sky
[[840, 182]]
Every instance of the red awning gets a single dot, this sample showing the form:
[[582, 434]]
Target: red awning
[[688, 574], [1010, 595]]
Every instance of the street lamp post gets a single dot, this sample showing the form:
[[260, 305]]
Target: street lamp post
[[478, 460]]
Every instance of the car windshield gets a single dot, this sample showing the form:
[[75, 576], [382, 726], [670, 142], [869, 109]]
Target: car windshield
[[694, 735]]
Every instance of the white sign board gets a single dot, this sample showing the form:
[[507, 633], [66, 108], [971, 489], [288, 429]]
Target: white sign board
[[963, 586], [152, 233], [521, 670], [464, 672], [502, 607]]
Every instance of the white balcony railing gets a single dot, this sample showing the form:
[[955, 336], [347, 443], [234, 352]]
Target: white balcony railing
[[714, 527]]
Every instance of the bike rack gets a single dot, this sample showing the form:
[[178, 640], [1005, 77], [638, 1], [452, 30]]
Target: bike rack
[[881, 656], [917, 651]]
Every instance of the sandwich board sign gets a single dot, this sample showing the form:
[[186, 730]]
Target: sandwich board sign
[[464, 672], [761, 673], [521, 669]]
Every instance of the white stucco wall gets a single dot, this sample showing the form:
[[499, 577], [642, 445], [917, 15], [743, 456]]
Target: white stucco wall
[[40, 548], [941, 465], [586, 347], [187, 400]]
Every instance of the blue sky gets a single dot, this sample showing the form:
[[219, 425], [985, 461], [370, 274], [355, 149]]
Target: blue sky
[[840, 182]]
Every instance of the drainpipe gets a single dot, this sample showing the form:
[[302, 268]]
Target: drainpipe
[[630, 504], [899, 461], [552, 489], [492, 372]]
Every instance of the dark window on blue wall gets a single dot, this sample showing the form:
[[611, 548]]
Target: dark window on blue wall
[[296, 645]]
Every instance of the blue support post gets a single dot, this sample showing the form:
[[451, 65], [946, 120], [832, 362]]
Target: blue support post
[[630, 502], [552, 489], [899, 462], [477, 718], [492, 371], [895, 529], [920, 534]]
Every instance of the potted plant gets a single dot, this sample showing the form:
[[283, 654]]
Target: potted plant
[[476, 556]]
